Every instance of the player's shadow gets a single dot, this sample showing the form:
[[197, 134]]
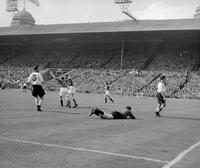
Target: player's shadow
[[181, 118], [125, 119]]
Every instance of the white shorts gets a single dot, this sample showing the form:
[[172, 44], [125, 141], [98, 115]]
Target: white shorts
[[107, 93], [64, 91], [72, 90]]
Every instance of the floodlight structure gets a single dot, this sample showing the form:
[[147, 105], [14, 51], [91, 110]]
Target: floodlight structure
[[124, 5], [12, 6]]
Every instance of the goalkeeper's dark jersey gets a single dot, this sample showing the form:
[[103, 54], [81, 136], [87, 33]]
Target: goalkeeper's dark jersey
[[63, 83], [70, 82]]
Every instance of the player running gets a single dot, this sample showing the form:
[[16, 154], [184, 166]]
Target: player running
[[36, 80], [64, 90], [72, 90], [107, 92], [23, 86], [114, 114], [160, 95]]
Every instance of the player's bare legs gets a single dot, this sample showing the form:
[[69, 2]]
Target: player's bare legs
[[38, 102], [106, 96], [74, 100], [159, 108], [68, 101]]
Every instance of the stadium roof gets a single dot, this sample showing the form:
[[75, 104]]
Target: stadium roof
[[129, 31], [126, 26]]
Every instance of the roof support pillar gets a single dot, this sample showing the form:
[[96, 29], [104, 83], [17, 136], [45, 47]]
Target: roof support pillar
[[122, 55]]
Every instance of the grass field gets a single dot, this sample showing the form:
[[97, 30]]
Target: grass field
[[59, 137]]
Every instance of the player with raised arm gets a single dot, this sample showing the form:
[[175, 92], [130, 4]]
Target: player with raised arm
[[160, 95], [72, 90], [107, 92], [23, 86], [64, 89], [36, 80]]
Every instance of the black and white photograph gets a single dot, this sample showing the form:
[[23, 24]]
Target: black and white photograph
[[99, 84]]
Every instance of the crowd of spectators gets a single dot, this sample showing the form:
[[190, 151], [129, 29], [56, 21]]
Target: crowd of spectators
[[11, 76], [125, 83], [93, 66], [173, 57], [174, 81], [192, 87]]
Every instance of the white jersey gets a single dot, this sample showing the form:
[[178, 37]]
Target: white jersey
[[24, 84], [161, 87], [35, 78]]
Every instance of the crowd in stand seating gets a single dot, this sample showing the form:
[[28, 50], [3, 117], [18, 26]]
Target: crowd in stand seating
[[175, 58], [192, 87], [94, 66], [13, 75], [125, 83]]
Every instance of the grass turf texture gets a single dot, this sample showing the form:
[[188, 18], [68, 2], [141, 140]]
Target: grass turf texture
[[70, 129]]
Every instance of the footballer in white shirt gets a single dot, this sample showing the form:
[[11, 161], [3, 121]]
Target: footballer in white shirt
[[36, 80], [160, 95]]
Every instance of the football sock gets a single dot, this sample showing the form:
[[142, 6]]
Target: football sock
[[39, 108], [69, 103], [158, 114], [75, 104], [61, 102], [111, 100]]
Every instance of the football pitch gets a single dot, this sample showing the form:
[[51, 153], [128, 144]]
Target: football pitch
[[59, 137]]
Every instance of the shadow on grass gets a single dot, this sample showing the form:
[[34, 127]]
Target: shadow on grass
[[98, 118]]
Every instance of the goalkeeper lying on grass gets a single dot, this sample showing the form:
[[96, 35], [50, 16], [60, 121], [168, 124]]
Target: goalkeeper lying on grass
[[114, 114]]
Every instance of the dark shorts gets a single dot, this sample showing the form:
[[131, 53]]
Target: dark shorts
[[117, 115], [160, 98], [38, 91], [98, 112]]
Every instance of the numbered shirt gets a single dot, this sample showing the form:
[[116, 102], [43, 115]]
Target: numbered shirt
[[35, 78]]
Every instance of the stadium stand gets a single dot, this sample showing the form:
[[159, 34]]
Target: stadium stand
[[94, 53], [97, 65]]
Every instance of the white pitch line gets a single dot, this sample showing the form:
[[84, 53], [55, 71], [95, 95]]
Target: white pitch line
[[181, 155], [87, 150]]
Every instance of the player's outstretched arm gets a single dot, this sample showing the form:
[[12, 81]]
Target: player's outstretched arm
[[52, 74], [56, 78]]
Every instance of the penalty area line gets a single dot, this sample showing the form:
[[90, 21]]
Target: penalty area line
[[181, 155], [84, 150]]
